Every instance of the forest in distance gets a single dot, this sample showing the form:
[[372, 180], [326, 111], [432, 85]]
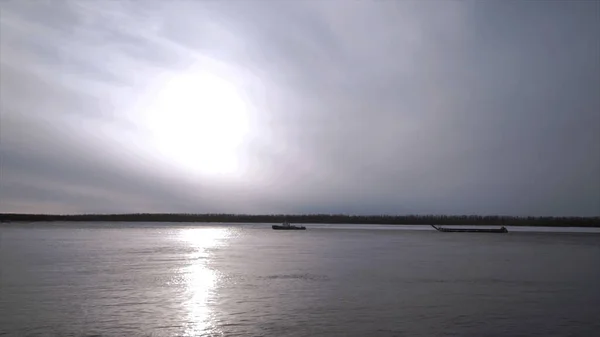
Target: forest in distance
[[474, 220]]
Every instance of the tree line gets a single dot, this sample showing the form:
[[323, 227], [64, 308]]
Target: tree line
[[488, 220]]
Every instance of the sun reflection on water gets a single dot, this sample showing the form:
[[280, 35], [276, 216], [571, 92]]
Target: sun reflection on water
[[200, 279]]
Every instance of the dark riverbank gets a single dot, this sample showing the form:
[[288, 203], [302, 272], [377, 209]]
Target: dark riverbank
[[474, 220]]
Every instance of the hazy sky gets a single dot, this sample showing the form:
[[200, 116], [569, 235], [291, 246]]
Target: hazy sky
[[364, 107]]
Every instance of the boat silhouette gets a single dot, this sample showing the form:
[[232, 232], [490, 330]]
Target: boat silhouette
[[471, 230], [287, 226]]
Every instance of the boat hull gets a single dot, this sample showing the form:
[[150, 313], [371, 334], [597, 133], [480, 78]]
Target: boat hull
[[288, 228], [471, 230]]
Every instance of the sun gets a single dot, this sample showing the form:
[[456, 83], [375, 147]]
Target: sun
[[198, 121]]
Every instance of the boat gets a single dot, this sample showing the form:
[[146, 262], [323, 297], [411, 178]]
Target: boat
[[287, 226], [472, 230]]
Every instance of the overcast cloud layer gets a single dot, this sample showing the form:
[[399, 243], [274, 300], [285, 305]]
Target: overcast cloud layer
[[364, 107]]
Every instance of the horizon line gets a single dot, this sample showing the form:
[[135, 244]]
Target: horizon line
[[300, 214]]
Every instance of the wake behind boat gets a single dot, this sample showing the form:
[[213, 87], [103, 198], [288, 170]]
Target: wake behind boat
[[472, 230], [287, 226]]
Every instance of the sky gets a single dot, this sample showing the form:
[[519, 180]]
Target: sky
[[356, 107]]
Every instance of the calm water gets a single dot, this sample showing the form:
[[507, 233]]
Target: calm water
[[248, 280]]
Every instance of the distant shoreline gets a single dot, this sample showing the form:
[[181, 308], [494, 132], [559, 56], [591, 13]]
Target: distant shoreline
[[472, 220]]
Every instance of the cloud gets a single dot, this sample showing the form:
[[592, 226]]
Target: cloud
[[357, 107]]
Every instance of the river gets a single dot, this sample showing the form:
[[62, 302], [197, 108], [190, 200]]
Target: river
[[161, 279]]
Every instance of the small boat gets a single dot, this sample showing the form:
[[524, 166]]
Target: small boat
[[287, 226], [472, 230]]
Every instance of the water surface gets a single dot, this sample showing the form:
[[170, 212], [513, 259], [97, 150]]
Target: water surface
[[116, 279]]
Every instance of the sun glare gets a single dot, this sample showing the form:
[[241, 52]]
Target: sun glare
[[201, 280], [198, 121]]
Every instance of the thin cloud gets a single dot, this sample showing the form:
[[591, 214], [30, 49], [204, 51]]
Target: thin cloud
[[356, 107]]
